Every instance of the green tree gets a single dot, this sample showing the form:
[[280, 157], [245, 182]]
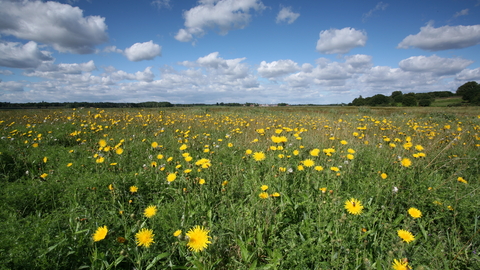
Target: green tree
[[409, 100], [469, 91]]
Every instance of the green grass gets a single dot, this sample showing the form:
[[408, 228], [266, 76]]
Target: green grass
[[47, 222], [445, 102]]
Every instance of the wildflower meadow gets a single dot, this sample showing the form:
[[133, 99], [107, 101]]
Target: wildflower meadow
[[240, 188]]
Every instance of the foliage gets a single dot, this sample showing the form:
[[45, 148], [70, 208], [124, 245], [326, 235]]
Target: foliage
[[67, 175], [470, 92]]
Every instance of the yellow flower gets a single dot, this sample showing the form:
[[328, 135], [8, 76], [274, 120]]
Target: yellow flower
[[406, 162], [201, 181], [460, 179], [45, 159], [150, 211], [258, 156], [350, 156], [248, 152], [300, 167], [144, 237], [264, 187], [35, 145], [159, 156], [263, 195], [183, 147], [323, 189], [318, 168], [110, 187], [133, 189], [354, 206], [418, 147], [335, 169], [177, 233], [308, 163], [100, 234], [102, 143], [224, 183], [154, 144], [295, 152], [343, 142], [100, 160], [414, 212], [230, 144], [351, 151], [400, 265], [119, 151], [153, 164], [406, 235], [69, 164], [275, 194], [171, 177], [315, 152], [383, 176], [198, 239]]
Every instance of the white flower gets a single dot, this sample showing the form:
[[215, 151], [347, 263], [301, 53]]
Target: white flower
[[395, 189]]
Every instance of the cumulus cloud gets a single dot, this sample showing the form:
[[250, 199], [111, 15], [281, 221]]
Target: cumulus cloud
[[16, 55], [443, 38], [223, 15], [340, 40], [143, 51], [287, 15], [379, 6], [277, 68], [435, 64], [49, 70], [10, 86], [6, 72], [468, 75], [60, 25]]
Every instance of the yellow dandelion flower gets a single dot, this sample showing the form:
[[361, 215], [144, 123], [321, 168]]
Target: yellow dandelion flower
[[300, 167], [69, 164], [406, 162], [102, 143], [414, 212], [150, 211], [154, 144], [224, 183], [201, 181], [44, 175], [460, 179], [350, 156], [343, 142], [133, 189], [264, 187], [177, 233], [144, 237], [323, 189], [351, 151], [315, 152], [160, 156], [258, 156], [335, 169], [198, 239], [119, 151], [353, 206], [100, 233], [171, 177], [263, 195], [318, 168], [183, 147], [275, 194], [35, 145], [295, 152], [406, 235], [383, 176], [308, 163], [45, 159], [248, 152], [400, 265], [99, 159], [418, 147], [153, 164]]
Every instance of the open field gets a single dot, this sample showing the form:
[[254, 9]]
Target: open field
[[269, 188], [445, 102]]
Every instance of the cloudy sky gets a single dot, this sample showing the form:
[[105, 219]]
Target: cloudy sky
[[209, 51]]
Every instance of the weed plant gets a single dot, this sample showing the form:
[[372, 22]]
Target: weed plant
[[269, 188]]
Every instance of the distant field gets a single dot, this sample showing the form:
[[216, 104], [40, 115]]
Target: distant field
[[445, 102], [295, 187]]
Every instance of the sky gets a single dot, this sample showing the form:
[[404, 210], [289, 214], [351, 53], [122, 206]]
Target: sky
[[234, 51]]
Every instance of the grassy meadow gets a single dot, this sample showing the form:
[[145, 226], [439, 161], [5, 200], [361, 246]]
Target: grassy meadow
[[240, 188]]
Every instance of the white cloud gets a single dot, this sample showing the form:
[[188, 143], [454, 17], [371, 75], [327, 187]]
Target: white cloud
[[461, 13], [61, 71], [161, 3], [6, 72], [468, 75], [379, 6], [277, 68], [223, 15], [143, 51], [60, 25], [435, 64], [10, 86], [110, 49], [16, 55], [287, 15], [340, 40], [443, 38]]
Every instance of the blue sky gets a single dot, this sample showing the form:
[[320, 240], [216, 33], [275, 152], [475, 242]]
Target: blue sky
[[209, 51]]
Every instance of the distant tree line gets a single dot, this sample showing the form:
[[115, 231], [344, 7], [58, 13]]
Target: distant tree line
[[470, 92], [397, 98]]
